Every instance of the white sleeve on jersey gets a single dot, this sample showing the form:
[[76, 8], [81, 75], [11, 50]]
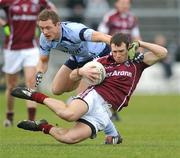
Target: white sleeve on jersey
[[88, 34], [79, 32]]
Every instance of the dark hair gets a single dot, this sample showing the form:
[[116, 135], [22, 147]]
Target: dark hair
[[47, 14], [120, 38]]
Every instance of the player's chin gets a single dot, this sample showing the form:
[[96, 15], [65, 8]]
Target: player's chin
[[49, 38], [119, 61]]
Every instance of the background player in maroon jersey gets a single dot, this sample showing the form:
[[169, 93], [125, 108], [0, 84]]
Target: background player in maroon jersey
[[121, 19], [20, 48], [90, 109]]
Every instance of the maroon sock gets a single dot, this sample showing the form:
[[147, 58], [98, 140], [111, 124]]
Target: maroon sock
[[31, 113], [10, 115], [45, 128], [39, 97]]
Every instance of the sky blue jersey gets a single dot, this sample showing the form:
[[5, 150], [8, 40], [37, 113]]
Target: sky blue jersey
[[75, 40]]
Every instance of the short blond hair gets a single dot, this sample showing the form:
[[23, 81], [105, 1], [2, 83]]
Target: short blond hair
[[47, 14]]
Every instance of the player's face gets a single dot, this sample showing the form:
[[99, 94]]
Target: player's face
[[123, 5], [50, 30], [120, 53]]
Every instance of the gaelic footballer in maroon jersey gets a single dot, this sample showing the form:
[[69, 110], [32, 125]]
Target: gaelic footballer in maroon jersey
[[90, 109], [21, 17], [121, 19], [123, 75]]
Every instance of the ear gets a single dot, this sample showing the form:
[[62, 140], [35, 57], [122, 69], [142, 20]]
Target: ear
[[58, 24]]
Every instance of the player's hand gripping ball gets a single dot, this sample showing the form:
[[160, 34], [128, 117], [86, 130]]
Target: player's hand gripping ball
[[100, 68]]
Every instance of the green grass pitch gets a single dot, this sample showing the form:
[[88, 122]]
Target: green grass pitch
[[150, 127]]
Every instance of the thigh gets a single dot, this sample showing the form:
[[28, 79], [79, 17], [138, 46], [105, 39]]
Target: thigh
[[78, 108], [62, 82], [97, 113], [12, 61]]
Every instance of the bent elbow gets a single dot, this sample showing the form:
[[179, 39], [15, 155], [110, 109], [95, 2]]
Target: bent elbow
[[165, 52]]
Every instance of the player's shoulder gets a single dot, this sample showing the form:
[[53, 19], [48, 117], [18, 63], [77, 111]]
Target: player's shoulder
[[103, 60], [71, 25], [6, 3], [131, 14], [112, 12], [141, 65], [72, 30]]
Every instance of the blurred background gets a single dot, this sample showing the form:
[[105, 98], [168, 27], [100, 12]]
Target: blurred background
[[159, 21]]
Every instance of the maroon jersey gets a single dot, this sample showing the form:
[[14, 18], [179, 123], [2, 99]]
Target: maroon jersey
[[21, 17], [120, 81], [114, 22]]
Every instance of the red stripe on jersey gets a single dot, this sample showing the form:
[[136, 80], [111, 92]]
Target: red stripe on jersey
[[85, 93]]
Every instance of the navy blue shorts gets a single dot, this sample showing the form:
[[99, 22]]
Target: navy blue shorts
[[72, 63]]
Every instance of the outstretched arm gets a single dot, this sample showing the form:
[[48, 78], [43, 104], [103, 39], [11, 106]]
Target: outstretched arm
[[100, 37], [154, 54]]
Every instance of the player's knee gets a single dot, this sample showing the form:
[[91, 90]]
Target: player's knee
[[56, 91], [60, 90], [61, 87]]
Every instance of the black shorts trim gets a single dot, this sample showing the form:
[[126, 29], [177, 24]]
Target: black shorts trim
[[93, 129], [77, 97]]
